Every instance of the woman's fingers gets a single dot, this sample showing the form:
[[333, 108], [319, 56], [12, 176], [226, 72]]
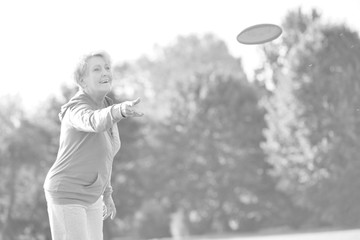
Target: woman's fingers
[[106, 213], [128, 110], [134, 102], [138, 114], [133, 113], [113, 213]]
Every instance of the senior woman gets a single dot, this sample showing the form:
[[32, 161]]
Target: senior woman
[[77, 186]]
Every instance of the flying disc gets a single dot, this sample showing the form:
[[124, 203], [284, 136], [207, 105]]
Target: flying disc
[[260, 33]]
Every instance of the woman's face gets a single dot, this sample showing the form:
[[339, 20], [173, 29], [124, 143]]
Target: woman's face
[[97, 81]]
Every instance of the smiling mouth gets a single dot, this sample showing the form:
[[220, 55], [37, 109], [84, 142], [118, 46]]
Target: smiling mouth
[[105, 81]]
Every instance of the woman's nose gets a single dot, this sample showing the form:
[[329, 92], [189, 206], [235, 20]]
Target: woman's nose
[[106, 72]]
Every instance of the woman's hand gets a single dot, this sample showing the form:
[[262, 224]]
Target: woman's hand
[[109, 208], [127, 109]]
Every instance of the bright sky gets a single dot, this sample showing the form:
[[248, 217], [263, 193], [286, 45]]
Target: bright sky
[[41, 41]]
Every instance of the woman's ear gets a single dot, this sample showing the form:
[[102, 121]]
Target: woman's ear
[[82, 83]]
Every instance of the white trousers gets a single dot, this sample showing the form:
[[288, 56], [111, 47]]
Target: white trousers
[[75, 221]]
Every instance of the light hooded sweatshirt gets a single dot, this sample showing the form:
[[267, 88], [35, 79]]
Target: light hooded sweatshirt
[[89, 140]]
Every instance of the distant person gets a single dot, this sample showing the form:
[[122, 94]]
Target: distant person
[[77, 187]]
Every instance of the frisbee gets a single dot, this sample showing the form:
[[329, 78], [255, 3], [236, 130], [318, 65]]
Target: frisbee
[[260, 33]]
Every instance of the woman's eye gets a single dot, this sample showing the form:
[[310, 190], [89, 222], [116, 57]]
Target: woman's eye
[[107, 68], [96, 69]]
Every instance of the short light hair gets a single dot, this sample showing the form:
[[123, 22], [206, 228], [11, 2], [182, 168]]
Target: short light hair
[[82, 66]]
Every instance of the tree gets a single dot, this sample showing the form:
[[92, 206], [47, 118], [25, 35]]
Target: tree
[[311, 138], [23, 154], [203, 153], [331, 88]]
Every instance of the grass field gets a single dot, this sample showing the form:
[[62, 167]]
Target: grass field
[[331, 235]]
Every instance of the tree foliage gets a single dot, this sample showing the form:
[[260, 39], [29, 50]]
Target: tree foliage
[[23, 152], [312, 118], [203, 144]]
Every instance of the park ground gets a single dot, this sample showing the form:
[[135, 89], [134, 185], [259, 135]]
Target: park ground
[[326, 235]]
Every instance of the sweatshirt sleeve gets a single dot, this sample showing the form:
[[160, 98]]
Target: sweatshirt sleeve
[[84, 118]]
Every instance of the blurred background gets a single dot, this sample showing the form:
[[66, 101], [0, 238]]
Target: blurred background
[[236, 139]]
